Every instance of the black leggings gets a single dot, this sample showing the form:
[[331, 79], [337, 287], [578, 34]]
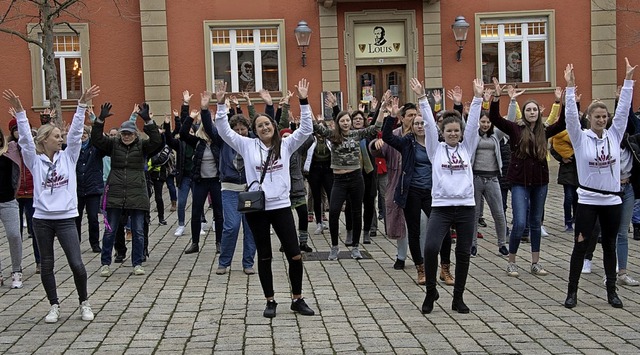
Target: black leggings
[[284, 226], [368, 202], [349, 186], [586, 215]]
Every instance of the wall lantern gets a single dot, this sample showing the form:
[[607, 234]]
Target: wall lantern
[[303, 36], [460, 28]]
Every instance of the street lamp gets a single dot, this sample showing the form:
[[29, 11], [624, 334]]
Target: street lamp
[[303, 36], [460, 29]]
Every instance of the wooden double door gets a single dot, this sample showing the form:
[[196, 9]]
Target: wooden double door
[[373, 81]]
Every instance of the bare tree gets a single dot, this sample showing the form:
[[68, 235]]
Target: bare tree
[[47, 15]]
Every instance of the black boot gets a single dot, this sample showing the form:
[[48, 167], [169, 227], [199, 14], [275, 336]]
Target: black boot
[[636, 231], [612, 297], [572, 298], [432, 296], [193, 248], [458, 304]]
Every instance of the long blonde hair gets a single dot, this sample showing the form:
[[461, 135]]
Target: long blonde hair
[[43, 133], [200, 133]]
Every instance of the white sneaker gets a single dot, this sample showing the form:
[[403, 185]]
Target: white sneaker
[[53, 315], [626, 280], [138, 270], [16, 278], [203, 228], [179, 231], [586, 266], [543, 232], [333, 253], [319, 229], [512, 270], [325, 226], [538, 269], [105, 271], [85, 311], [355, 253]]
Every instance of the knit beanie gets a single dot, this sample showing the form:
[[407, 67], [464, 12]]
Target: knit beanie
[[285, 130]]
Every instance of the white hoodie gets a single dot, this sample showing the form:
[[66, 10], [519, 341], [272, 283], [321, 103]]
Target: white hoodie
[[277, 181], [598, 159], [451, 166], [54, 183]]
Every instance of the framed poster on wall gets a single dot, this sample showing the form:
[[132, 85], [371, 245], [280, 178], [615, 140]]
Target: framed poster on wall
[[327, 112]]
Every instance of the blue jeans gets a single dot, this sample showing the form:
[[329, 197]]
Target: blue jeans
[[523, 198], [570, 203], [230, 229], [137, 229], [46, 230], [171, 186], [183, 194], [628, 201], [635, 219]]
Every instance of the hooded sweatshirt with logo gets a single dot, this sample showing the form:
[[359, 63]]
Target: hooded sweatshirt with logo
[[54, 182], [598, 159], [277, 180]]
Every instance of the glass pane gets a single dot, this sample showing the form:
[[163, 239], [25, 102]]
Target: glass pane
[[537, 28], [512, 29], [245, 71], [513, 61], [270, 72], [489, 62], [244, 37], [73, 78], [489, 30], [219, 37], [66, 43], [368, 86], [269, 36], [221, 69], [393, 83], [537, 61]]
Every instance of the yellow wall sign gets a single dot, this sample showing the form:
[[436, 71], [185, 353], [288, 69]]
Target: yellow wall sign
[[379, 40]]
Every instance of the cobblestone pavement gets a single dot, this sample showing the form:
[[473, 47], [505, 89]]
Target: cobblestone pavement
[[182, 306]]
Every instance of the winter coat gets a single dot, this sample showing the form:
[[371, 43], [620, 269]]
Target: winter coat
[[199, 145], [127, 185], [89, 171]]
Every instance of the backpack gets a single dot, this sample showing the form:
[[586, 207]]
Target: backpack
[[162, 157]]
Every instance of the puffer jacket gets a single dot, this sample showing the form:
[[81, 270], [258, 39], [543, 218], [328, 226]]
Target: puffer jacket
[[25, 189], [89, 171], [127, 186], [199, 145]]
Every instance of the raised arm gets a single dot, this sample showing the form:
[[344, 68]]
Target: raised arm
[[24, 130], [229, 136], [205, 116], [624, 105], [300, 135], [74, 135], [430, 128], [471, 136]]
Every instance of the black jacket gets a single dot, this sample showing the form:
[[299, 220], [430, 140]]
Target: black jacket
[[89, 171]]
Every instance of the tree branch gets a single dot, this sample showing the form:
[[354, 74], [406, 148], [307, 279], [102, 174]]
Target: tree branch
[[63, 7], [22, 36]]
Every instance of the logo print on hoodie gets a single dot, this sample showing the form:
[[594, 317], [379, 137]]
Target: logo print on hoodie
[[54, 181], [602, 159], [455, 162]]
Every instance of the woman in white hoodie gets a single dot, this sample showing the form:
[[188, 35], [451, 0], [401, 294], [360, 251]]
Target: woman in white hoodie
[[276, 185], [452, 191], [55, 198], [597, 155]]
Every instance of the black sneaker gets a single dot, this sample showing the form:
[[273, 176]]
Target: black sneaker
[[270, 310], [399, 264], [474, 251], [162, 222], [301, 307], [305, 248], [96, 249], [119, 258], [481, 222], [218, 249], [503, 250]]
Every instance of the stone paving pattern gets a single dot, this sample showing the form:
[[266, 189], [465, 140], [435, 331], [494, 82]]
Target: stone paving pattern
[[362, 307]]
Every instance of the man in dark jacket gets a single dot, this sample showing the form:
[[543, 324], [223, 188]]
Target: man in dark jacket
[[90, 188], [126, 188]]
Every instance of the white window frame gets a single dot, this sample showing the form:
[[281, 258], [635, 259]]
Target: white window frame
[[524, 18], [37, 73], [234, 47]]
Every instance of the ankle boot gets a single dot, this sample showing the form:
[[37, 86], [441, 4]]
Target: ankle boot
[[421, 278], [445, 274], [458, 304], [432, 296], [367, 237], [572, 298], [349, 241], [193, 248], [173, 206], [612, 297], [636, 231]]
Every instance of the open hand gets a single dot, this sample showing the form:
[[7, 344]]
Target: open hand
[[303, 88], [105, 111]]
